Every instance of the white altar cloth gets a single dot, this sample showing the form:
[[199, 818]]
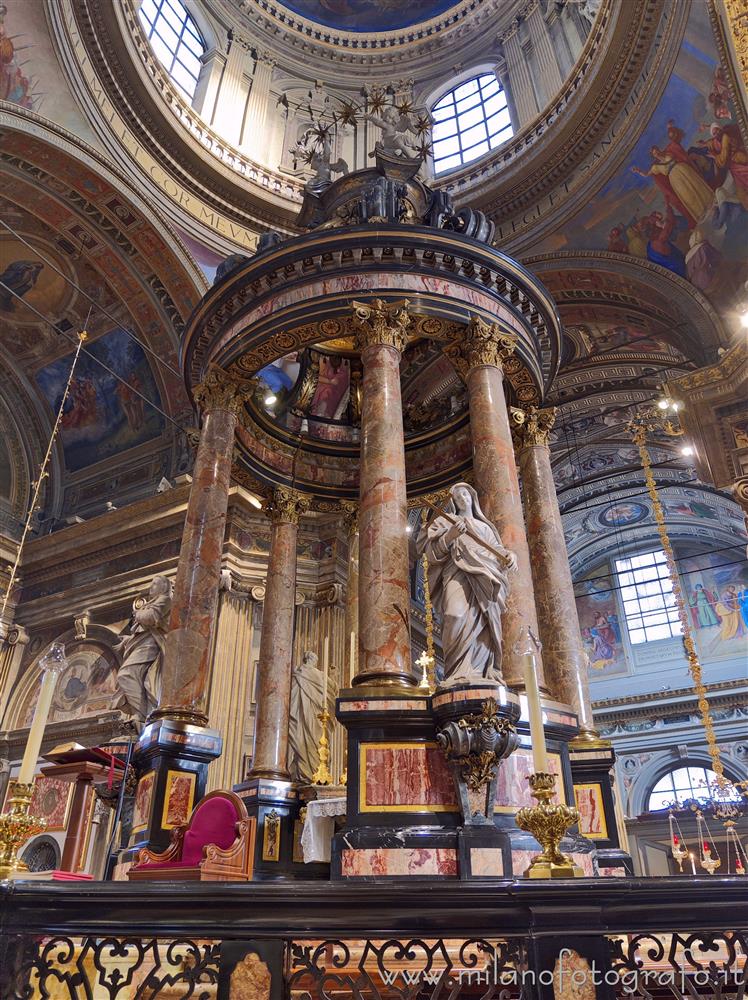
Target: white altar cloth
[[319, 827]]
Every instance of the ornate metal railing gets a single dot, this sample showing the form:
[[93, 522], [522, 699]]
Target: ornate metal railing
[[584, 939]]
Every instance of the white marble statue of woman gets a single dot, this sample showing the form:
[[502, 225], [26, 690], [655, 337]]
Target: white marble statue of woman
[[304, 726], [141, 650], [469, 585]]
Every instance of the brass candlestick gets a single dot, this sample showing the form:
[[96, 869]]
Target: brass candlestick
[[16, 826], [548, 823], [322, 775]]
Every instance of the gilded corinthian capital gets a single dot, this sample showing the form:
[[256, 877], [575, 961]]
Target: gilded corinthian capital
[[534, 426], [222, 390], [480, 343], [380, 322], [350, 515], [288, 505]]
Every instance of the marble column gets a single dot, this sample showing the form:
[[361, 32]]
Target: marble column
[[275, 664], [186, 666], [564, 657], [351, 594], [478, 357], [384, 590]]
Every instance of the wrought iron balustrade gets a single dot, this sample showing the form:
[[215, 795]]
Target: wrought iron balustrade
[[591, 939]]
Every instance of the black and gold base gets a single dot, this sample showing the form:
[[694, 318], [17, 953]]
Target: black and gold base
[[277, 808]]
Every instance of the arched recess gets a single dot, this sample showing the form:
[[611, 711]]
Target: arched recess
[[584, 280], [98, 246], [651, 772], [86, 688]]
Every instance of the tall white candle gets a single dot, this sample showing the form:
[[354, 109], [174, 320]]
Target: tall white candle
[[325, 669], [693, 863], [535, 710], [51, 664], [353, 656]]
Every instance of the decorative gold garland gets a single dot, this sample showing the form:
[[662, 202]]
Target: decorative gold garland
[[638, 431], [43, 474]]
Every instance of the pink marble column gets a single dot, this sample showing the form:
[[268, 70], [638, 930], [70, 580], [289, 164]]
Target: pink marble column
[[275, 663], [479, 357], [564, 656], [351, 593], [384, 590], [186, 666]]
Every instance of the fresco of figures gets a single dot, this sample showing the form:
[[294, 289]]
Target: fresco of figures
[[104, 414], [716, 588], [681, 200]]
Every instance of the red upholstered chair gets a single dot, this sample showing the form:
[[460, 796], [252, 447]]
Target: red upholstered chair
[[217, 845]]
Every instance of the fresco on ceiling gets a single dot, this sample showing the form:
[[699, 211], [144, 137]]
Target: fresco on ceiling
[[368, 15], [623, 514], [681, 198], [103, 415], [601, 630], [17, 85], [592, 339], [594, 462], [27, 279], [715, 586]]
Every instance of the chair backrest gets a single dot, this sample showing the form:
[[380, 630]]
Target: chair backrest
[[213, 822]]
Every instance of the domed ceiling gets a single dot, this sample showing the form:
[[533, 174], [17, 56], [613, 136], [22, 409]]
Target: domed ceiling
[[369, 15]]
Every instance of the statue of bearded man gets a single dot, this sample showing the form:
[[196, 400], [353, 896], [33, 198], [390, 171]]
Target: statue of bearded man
[[307, 688], [141, 649]]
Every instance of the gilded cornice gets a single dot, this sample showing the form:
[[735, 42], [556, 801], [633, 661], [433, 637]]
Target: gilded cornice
[[532, 426], [720, 376], [480, 344], [381, 324], [222, 390], [288, 505]]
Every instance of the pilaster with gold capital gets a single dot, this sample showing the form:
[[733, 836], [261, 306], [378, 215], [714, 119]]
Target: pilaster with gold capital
[[380, 323], [533, 427], [222, 390], [287, 505], [481, 344], [350, 516]]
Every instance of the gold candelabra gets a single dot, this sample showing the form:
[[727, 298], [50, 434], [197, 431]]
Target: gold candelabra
[[548, 823], [322, 775], [16, 826]]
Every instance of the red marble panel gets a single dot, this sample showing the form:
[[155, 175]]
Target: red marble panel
[[399, 861], [513, 788], [398, 777]]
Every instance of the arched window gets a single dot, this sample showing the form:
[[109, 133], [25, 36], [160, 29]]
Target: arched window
[[469, 121], [175, 39], [648, 599], [678, 787]]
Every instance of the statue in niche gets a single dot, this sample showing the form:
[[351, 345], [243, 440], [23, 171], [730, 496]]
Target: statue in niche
[[141, 650], [468, 569], [307, 690]]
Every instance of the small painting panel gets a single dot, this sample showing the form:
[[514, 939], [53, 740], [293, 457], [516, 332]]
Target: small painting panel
[[178, 799], [143, 798], [589, 803]]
